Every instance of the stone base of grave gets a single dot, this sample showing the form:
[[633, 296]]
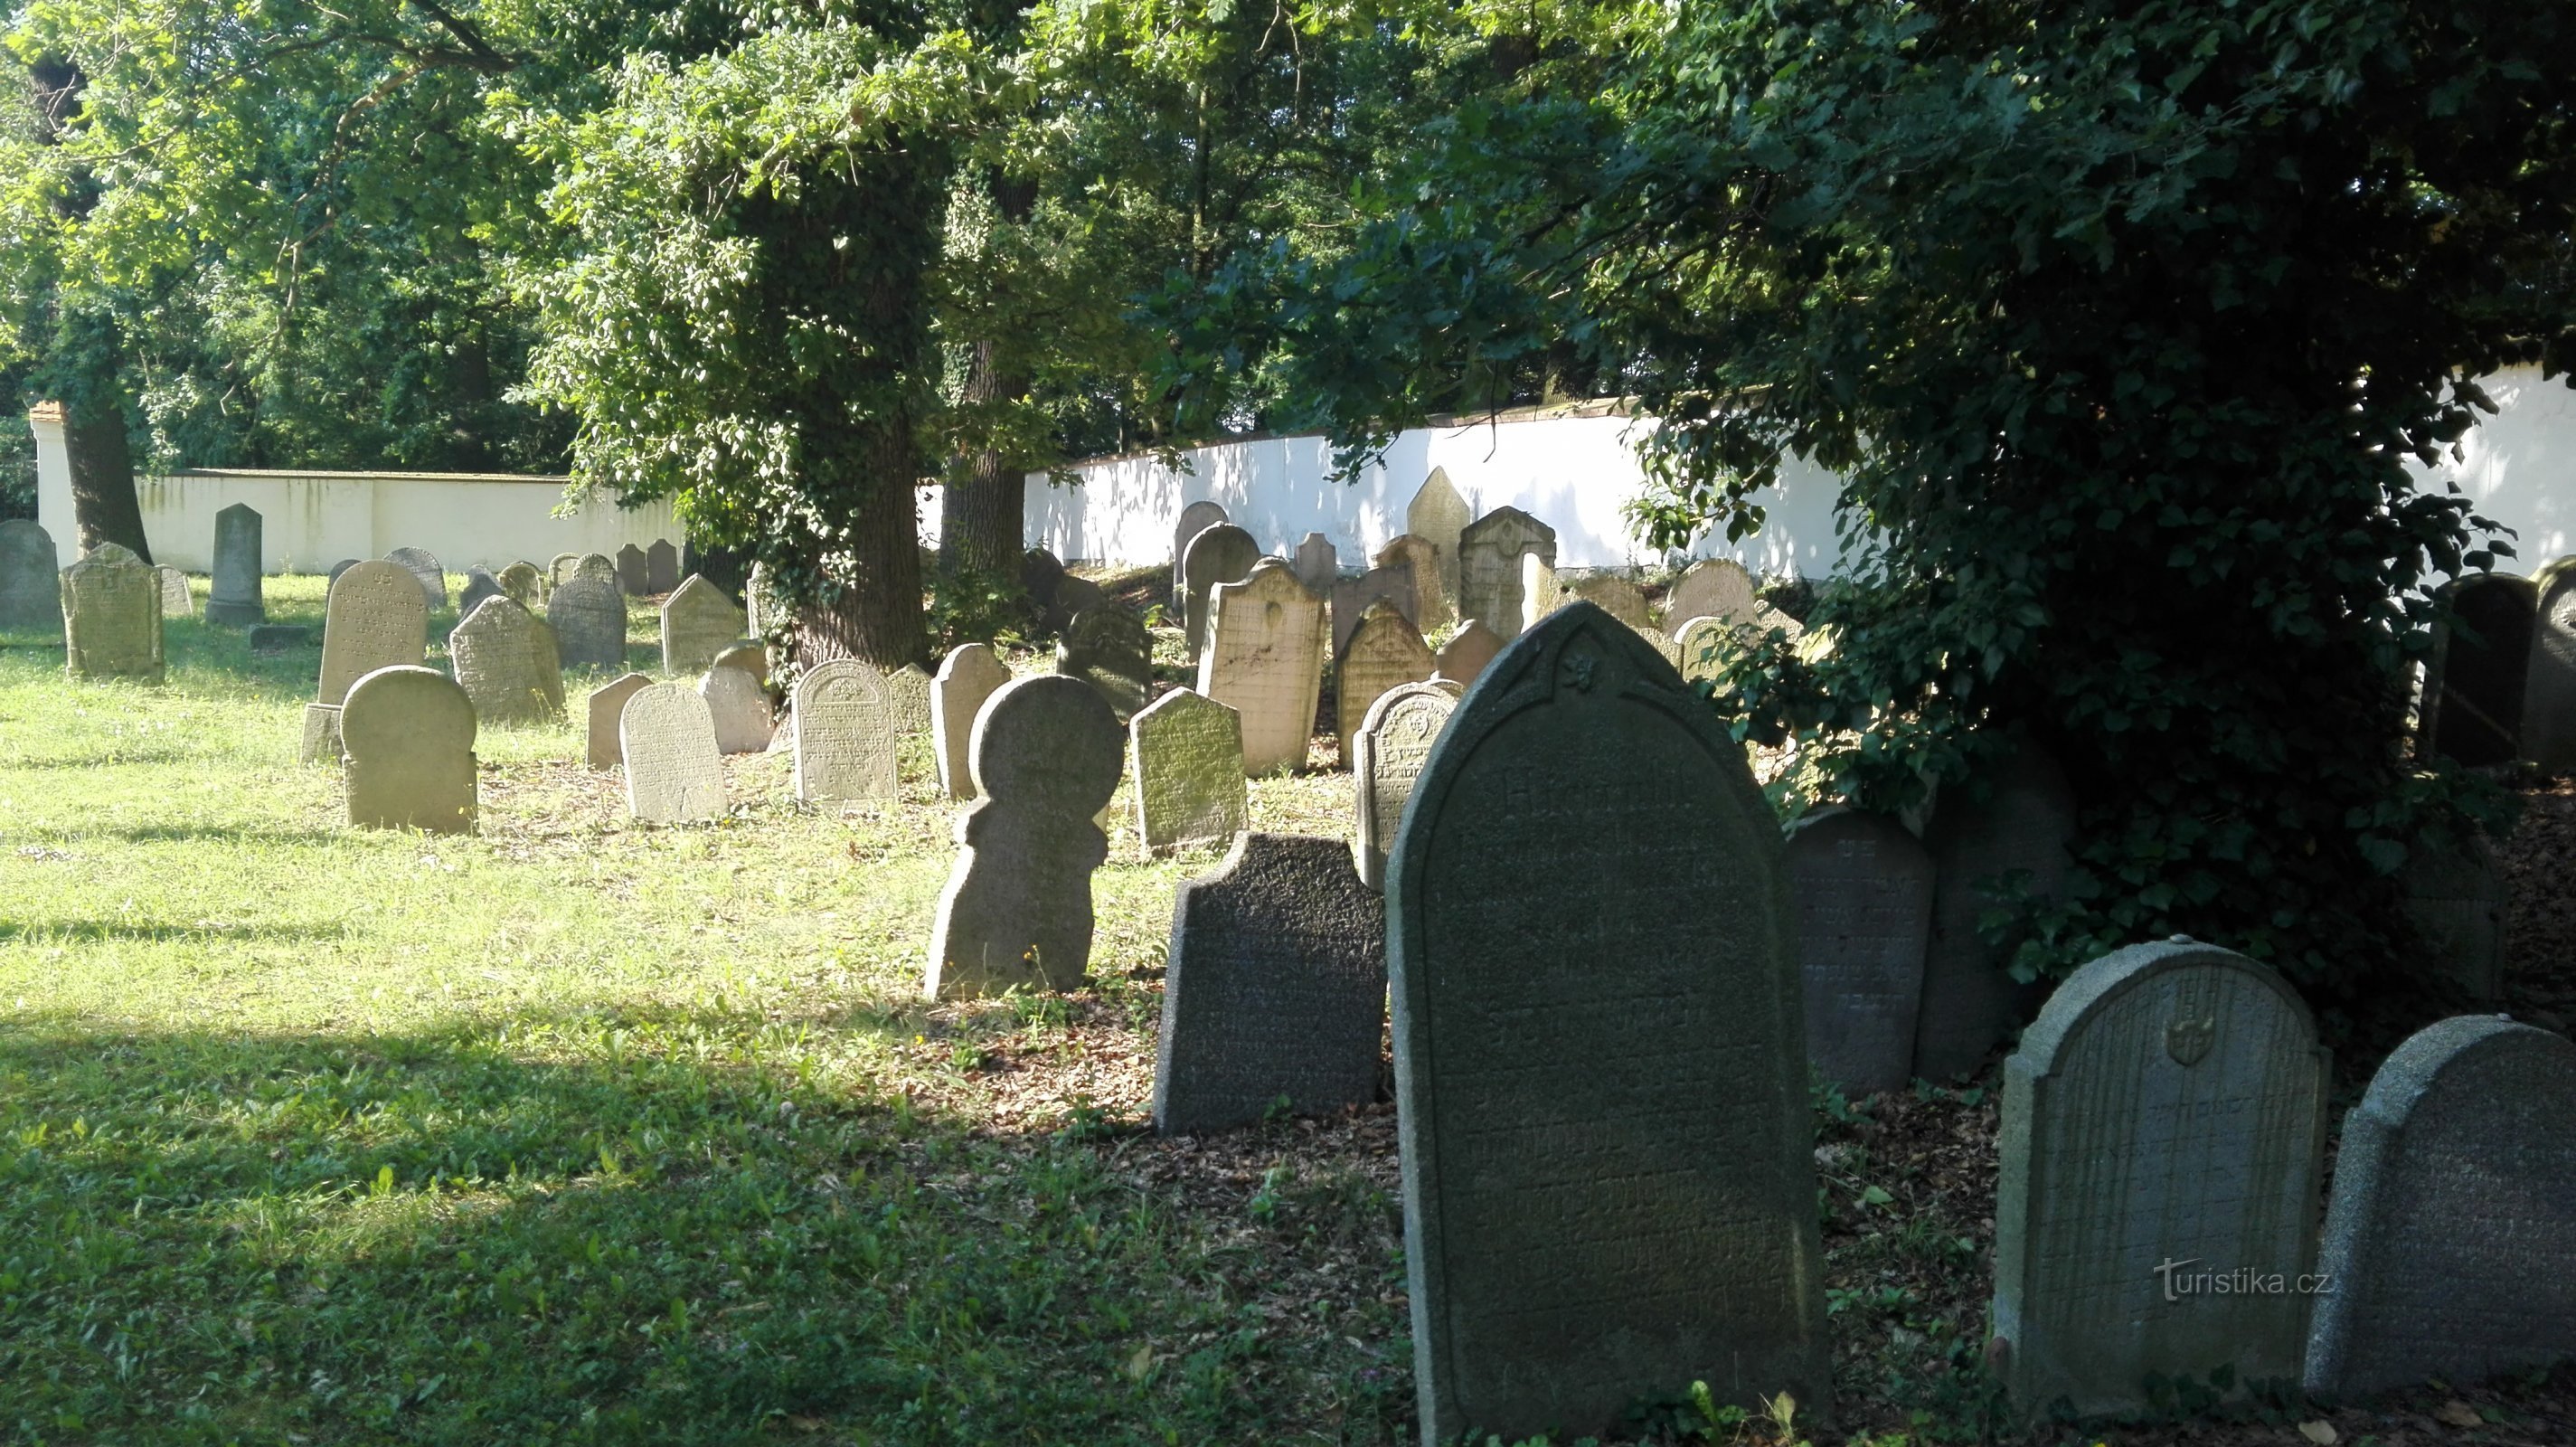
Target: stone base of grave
[[321, 735], [235, 615]]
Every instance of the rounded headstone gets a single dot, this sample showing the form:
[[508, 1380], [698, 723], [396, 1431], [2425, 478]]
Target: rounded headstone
[[674, 775], [1220, 554], [844, 730], [408, 733], [424, 567], [1186, 751], [967, 677]]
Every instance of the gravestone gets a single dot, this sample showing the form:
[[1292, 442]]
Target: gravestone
[[673, 773], [479, 585], [559, 568], [523, 583], [751, 658], [1465, 656], [1040, 574], [661, 566], [409, 737], [739, 708], [764, 609], [844, 730], [1265, 660], [1489, 566], [1540, 594], [111, 603], [1430, 611], [1602, 1096], [279, 637], [967, 677], [2474, 684], [1221, 554], [2163, 1127], [1353, 597], [31, 586], [424, 567], [377, 617], [1276, 988], [1613, 595], [1706, 645], [1073, 594], [633, 573], [233, 594], [2549, 687], [588, 615], [1186, 751], [1017, 909], [908, 694], [1710, 588], [1195, 519], [1656, 640], [602, 566], [1318, 563], [1394, 742], [698, 622], [175, 599], [1438, 516], [2008, 824], [1384, 653], [2451, 1238], [607, 706], [342, 566], [2455, 896], [504, 658], [1112, 650], [1863, 888]]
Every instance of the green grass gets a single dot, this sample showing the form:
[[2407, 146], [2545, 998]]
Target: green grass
[[574, 1131]]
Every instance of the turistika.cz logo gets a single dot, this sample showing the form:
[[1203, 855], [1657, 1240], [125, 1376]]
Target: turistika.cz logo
[[2180, 1281]]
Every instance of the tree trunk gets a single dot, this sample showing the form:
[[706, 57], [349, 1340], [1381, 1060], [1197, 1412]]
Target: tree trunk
[[875, 613], [981, 515], [102, 468]]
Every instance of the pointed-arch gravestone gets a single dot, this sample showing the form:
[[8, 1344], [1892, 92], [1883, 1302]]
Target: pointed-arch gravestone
[[1384, 653], [1438, 516], [698, 622], [505, 661]]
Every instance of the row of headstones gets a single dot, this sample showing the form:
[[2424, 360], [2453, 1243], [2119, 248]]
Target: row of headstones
[[108, 607], [2501, 685]]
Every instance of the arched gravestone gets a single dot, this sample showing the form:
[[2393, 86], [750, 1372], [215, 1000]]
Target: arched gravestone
[[908, 694], [1074, 593], [1384, 653], [342, 566], [176, 601], [409, 733], [1863, 888], [739, 707], [673, 773], [559, 569], [1110, 648], [967, 676], [602, 566], [1221, 554], [751, 658], [2450, 1244], [1438, 515], [2163, 1126], [2006, 824], [1017, 909], [1195, 519], [1489, 566], [588, 615], [844, 730], [523, 583], [1710, 588], [423, 566], [2474, 684], [1318, 563], [1600, 1074], [112, 616], [2549, 687], [505, 661], [1613, 595], [1706, 644], [1464, 658], [377, 617], [31, 586], [233, 594], [1419, 561], [1387, 755], [1186, 751], [607, 704], [1276, 988], [633, 573], [1265, 660], [661, 566], [698, 622]]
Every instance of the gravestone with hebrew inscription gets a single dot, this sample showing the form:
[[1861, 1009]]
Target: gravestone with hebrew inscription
[[479, 585], [2454, 895], [1601, 1077], [633, 573], [1110, 648], [2163, 1127], [1195, 519], [1265, 660], [377, 617], [504, 657], [607, 705], [588, 615], [233, 592], [1465, 656], [1276, 989], [1221, 554], [1490, 569], [674, 775], [1385, 652], [1710, 588], [602, 566], [2474, 684], [524, 584], [1387, 755], [1611, 594], [1421, 562], [2549, 683], [1863, 887], [1351, 599], [112, 616], [739, 707], [424, 566], [175, 599], [1186, 751], [2450, 1241], [31, 586], [661, 566], [698, 622], [908, 694], [967, 676], [1996, 836], [1318, 563], [1017, 909], [409, 737], [1438, 516], [844, 732]]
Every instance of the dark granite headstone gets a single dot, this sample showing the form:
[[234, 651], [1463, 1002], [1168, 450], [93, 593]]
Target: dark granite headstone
[[1110, 649], [2474, 685], [588, 614], [31, 587], [633, 573], [1040, 572], [1221, 554], [661, 566], [2004, 827], [1863, 888], [233, 597]]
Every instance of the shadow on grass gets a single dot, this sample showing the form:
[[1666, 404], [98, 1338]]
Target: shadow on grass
[[91, 931], [253, 834], [109, 758]]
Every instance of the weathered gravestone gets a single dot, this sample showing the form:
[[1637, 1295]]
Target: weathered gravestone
[[1611, 594], [1710, 588], [504, 658], [1187, 754], [1489, 566], [523, 583], [2450, 1243], [233, 593], [1387, 755], [1438, 515], [342, 566], [1112, 650], [1221, 554], [588, 615], [698, 622], [1465, 657], [1353, 597], [175, 599], [607, 706], [967, 677], [1265, 660], [602, 566], [2474, 683], [633, 573], [1017, 909], [1073, 596], [764, 608], [377, 617], [409, 735], [1421, 562], [2454, 895], [1384, 653], [2163, 1127], [1041, 573], [1318, 563], [559, 568], [2549, 685], [424, 567], [1706, 644], [739, 708], [1600, 1075], [908, 694], [1195, 519], [479, 585], [661, 566], [844, 730], [751, 658], [2003, 829], [673, 773], [1863, 888], [31, 586], [112, 616], [1276, 988]]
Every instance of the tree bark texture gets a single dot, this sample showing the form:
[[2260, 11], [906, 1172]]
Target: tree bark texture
[[102, 466]]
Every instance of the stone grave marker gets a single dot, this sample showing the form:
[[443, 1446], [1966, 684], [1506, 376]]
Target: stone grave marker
[[233, 593], [175, 599], [1489, 566], [588, 615], [1578, 1238], [342, 566], [1195, 519], [2455, 896], [764, 610], [1393, 743], [1017, 909], [1710, 588], [1613, 595], [844, 729], [2450, 1241], [1110, 648], [31, 586], [1863, 888], [1465, 656], [504, 657], [1221, 554], [377, 617], [423, 566], [1041, 572], [698, 622], [479, 585], [739, 708], [559, 568], [2549, 686], [2009, 822], [908, 694], [751, 658], [633, 573], [112, 616], [673, 773], [1656, 639], [523, 583], [1706, 644], [1384, 653], [1353, 597], [2163, 1125], [1430, 610], [409, 736], [600, 565], [967, 677], [1073, 595], [1265, 660], [1318, 564], [2474, 686], [1186, 751], [661, 566], [1276, 988], [1438, 516], [607, 706]]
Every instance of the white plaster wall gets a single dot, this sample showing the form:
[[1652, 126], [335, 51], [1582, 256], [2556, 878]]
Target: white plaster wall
[[2519, 466]]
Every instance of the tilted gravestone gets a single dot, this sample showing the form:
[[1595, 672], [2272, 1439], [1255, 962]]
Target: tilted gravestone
[[1110, 648], [1186, 751], [1387, 755], [31, 586], [1318, 563], [2474, 684], [2549, 685], [607, 704], [2005, 828], [1195, 519], [2450, 1242], [673, 773], [112, 616], [588, 615], [1863, 887], [409, 737], [233, 593], [1276, 989], [175, 599], [1221, 554], [1265, 660], [844, 731], [377, 617], [1384, 653], [1611, 594], [523, 583], [1587, 873], [1017, 909], [424, 567], [2163, 1127], [1465, 656], [1710, 588], [633, 573], [1351, 599], [2454, 894], [1489, 567], [1421, 562], [739, 707], [504, 657], [479, 585], [967, 677], [698, 622], [661, 566], [1438, 515], [908, 694]]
